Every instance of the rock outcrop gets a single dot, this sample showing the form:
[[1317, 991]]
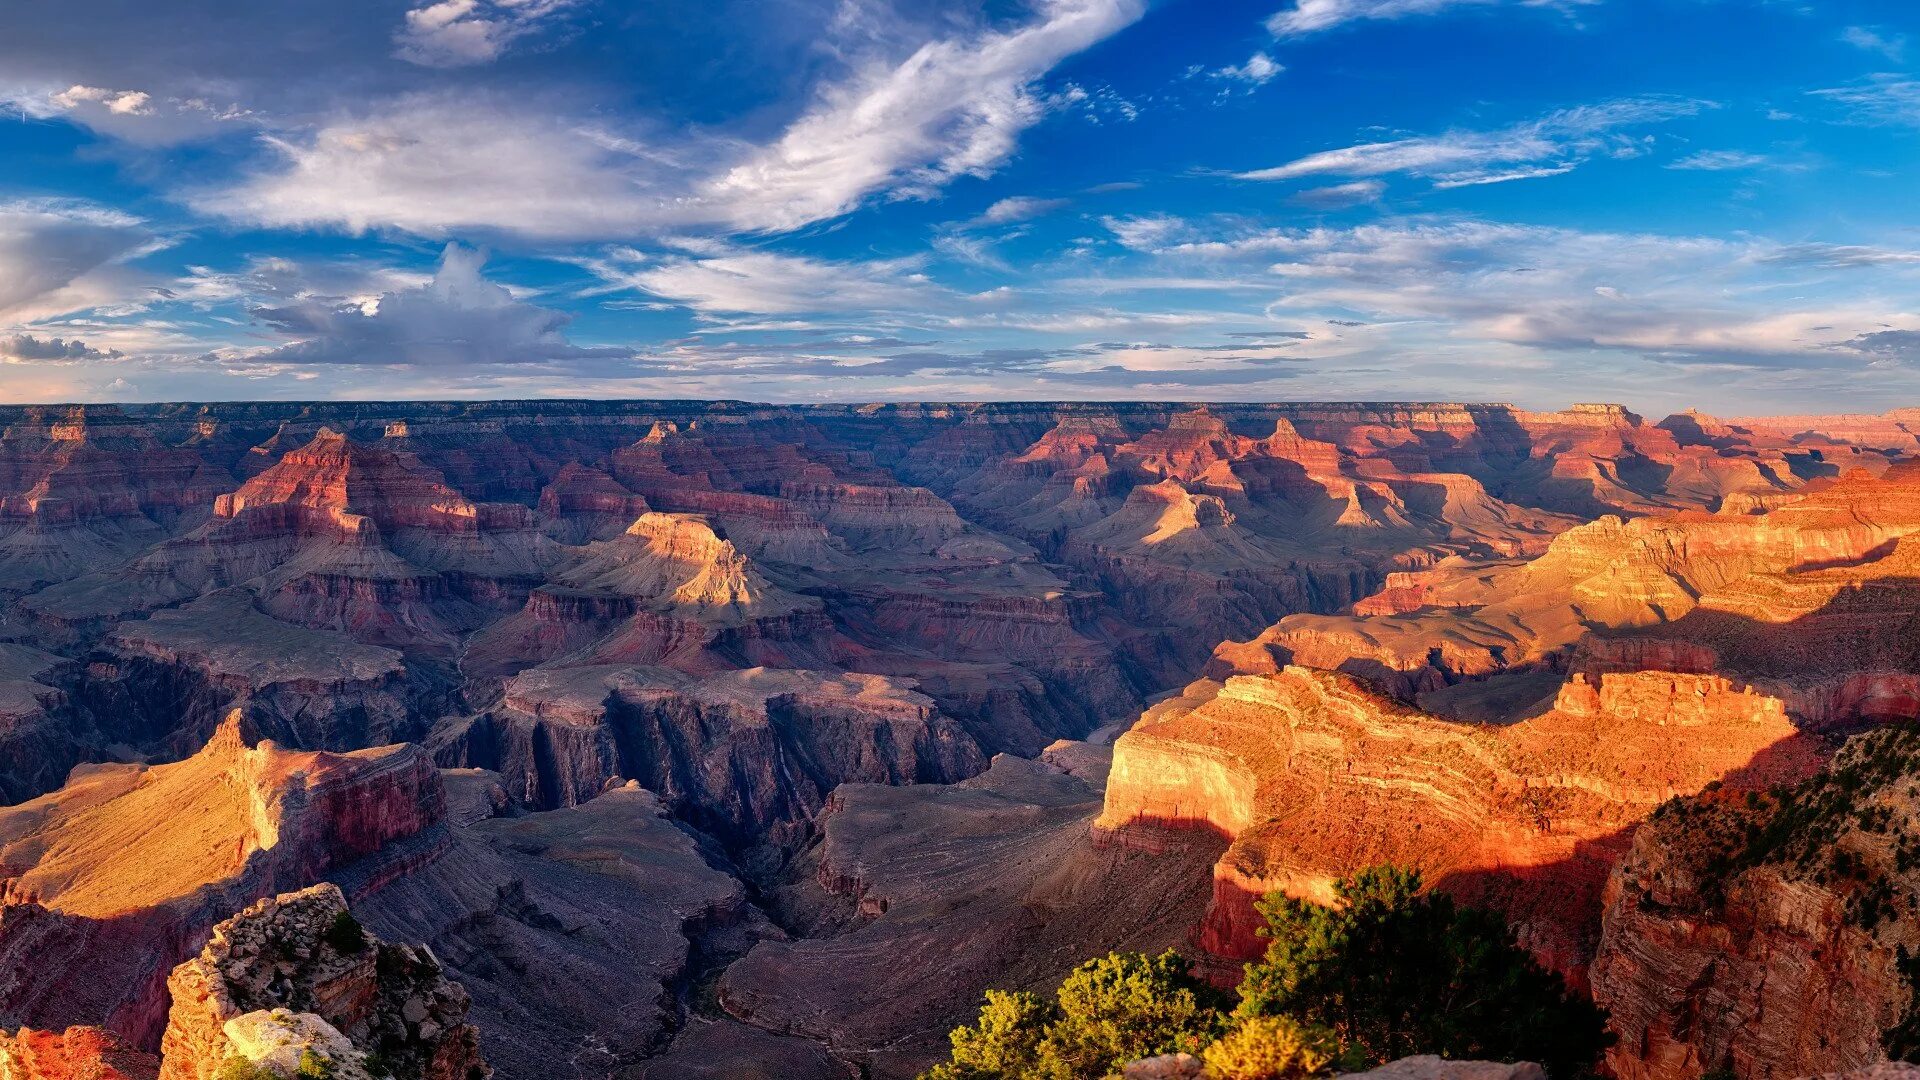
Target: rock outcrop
[[1771, 934], [114, 878], [295, 978], [915, 900], [1311, 775], [78, 1053]]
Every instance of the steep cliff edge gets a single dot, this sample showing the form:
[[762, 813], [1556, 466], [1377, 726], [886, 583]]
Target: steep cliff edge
[[115, 877], [294, 978], [914, 900], [1312, 775], [1771, 934]]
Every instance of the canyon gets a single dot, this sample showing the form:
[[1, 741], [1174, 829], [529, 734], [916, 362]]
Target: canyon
[[682, 738]]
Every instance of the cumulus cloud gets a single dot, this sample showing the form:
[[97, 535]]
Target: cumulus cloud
[[60, 256], [1312, 16], [26, 347], [1259, 70], [1552, 144], [118, 102], [458, 320], [459, 33]]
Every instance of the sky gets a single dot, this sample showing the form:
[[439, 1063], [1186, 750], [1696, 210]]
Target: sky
[[1665, 203]]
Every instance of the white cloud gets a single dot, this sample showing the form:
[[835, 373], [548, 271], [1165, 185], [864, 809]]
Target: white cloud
[[442, 164], [62, 256], [1257, 71], [458, 320], [1883, 100], [1891, 46], [461, 33], [768, 283], [118, 102], [1552, 144], [446, 163], [1312, 16], [1017, 208], [1565, 289], [1721, 161], [1341, 196], [954, 108]]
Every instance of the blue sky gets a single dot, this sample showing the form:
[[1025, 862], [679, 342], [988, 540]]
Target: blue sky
[[1670, 203]]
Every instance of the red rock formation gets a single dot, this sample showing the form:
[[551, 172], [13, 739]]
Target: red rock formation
[[1313, 776], [1773, 935], [1609, 587], [79, 1053], [112, 879]]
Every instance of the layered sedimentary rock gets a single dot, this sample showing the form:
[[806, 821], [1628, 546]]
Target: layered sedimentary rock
[[112, 879], [1742, 593], [1311, 776], [294, 979], [673, 630], [915, 900], [175, 674], [577, 932], [742, 754], [1773, 935]]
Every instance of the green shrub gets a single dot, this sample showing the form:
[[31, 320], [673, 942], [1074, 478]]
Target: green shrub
[[1109, 1011], [1269, 1048], [346, 934], [1392, 971]]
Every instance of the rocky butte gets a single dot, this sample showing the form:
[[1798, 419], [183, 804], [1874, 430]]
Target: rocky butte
[[676, 739]]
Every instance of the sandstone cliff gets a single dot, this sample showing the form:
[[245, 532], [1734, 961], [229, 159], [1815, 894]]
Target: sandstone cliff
[[1772, 934], [112, 879], [1311, 775]]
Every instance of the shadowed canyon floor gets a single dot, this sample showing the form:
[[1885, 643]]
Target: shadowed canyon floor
[[759, 740]]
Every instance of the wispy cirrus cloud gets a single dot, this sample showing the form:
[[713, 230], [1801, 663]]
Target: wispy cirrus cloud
[[955, 107], [1312, 16], [892, 127], [1552, 144], [1721, 161], [1890, 45], [1883, 100], [719, 279], [1676, 297]]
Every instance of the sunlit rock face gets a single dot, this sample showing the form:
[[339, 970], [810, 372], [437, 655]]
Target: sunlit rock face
[[78, 1053], [1310, 776], [543, 686], [111, 880]]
